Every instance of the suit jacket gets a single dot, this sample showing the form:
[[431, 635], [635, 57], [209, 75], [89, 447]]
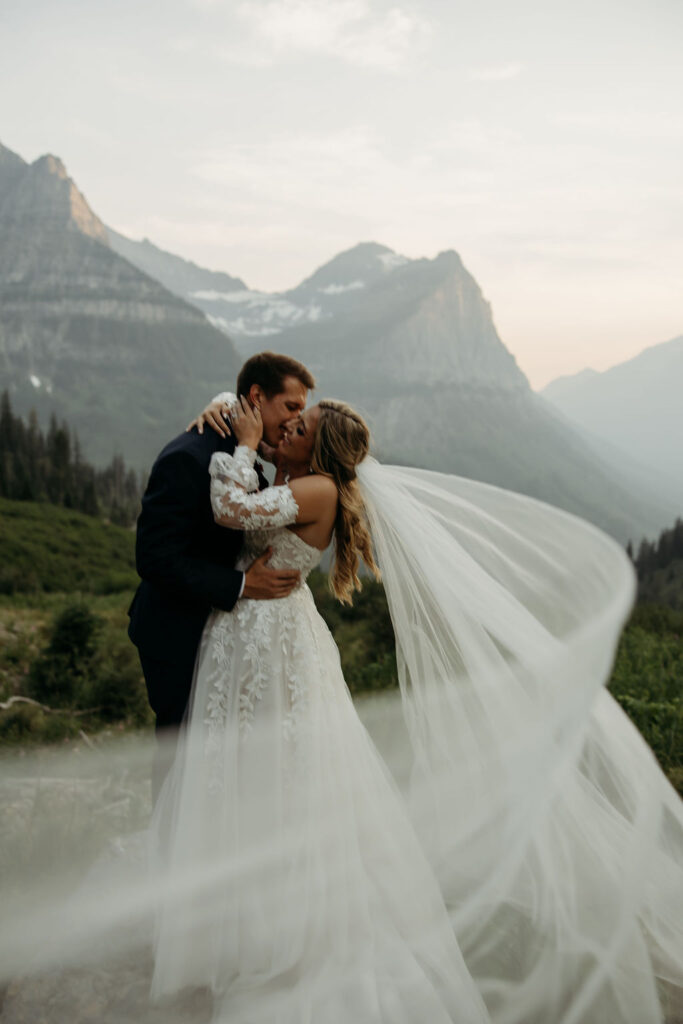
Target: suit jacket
[[185, 559]]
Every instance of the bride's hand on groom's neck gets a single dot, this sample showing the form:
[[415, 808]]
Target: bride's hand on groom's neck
[[247, 425]]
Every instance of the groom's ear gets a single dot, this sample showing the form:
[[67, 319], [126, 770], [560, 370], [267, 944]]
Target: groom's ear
[[255, 395]]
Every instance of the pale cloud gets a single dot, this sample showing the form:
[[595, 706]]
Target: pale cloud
[[91, 132], [631, 125], [475, 136], [263, 136], [499, 73], [349, 30], [304, 170], [311, 171]]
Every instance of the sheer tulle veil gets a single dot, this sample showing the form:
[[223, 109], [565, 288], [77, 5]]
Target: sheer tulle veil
[[556, 838]]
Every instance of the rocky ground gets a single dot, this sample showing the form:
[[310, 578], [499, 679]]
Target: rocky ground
[[115, 995]]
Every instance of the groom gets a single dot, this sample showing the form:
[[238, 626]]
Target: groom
[[187, 561]]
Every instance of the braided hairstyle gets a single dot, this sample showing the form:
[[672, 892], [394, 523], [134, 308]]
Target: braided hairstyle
[[342, 440]]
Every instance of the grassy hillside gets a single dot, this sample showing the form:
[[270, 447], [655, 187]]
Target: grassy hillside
[[67, 580], [48, 549]]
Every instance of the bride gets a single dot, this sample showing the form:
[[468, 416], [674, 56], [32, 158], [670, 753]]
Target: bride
[[522, 864], [342, 919]]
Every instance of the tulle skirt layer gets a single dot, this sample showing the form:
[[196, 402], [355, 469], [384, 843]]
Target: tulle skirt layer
[[301, 892], [556, 839], [515, 854]]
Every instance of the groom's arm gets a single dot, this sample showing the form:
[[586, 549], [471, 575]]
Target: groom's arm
[[171, 512]]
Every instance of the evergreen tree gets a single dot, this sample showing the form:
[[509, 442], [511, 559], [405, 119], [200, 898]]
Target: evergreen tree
[[50, 467]]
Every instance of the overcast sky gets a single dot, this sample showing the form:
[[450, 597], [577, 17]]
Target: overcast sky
[[541, 140]]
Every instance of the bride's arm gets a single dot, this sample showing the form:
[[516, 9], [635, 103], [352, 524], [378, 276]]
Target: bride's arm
[[235, 498], [215, 414], [237, 502]]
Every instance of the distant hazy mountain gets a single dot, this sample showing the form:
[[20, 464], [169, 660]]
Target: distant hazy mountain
[[636, 406], [182, 277], [415, 324], [412, 343], [414, 347], [256, 318], [85, 334]]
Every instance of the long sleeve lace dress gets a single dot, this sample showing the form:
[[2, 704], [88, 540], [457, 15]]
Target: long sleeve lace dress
[[301, 892]]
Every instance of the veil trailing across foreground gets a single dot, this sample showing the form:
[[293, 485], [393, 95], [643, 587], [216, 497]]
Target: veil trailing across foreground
[[556, 838], [521, 863]]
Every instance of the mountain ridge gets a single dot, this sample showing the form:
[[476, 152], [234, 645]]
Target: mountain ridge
[[634, 406], [174, 272], [87, 336], [411, 343]]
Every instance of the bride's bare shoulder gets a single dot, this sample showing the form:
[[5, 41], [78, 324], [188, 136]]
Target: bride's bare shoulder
[[314, 485], [314, 493]]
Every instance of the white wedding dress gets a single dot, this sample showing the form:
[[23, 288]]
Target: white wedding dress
[[526, 868], [521, 864], [309, 898]]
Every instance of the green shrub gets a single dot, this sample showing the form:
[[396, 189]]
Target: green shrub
[[60, 676], [374, 675], [661, 724], [657, 618], [114, 582], [117, 689], [23, 723], [647, 680]]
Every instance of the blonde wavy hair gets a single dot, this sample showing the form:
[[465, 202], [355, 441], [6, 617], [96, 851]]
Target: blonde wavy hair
[[342, 440]]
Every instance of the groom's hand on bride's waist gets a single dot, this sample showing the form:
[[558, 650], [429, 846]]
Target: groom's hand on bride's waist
[[263, 583]]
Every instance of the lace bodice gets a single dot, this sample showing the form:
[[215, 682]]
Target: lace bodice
[[263, 515], [290, 551], [236, 500]]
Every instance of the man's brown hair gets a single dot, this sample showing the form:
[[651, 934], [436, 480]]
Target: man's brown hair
[[269, 370]]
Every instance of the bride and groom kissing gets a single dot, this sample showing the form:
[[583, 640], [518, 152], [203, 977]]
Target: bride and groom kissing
[[233, 649], [187, 550], [300, 884], [186, 561]]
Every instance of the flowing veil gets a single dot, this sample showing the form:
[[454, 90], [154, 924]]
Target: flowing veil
[[556, 838]]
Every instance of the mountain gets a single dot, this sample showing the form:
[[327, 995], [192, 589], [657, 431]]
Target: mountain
[[635, 406], [412, 343], [88, 334], [182, 277], [416, 350], [416, 325], [84, 333], [252, 316]]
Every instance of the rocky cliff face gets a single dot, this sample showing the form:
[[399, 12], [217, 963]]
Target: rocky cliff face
[[417, 325], [85, 334], [412, 343], [37, 206], [182, 277], [414, 347]]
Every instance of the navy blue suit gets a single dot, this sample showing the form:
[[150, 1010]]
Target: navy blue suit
[[186, 562]]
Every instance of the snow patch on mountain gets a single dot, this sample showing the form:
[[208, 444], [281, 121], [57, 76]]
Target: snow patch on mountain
[[241, 296], [391, 260], [241, 326], [258, 314], [337, 289]]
